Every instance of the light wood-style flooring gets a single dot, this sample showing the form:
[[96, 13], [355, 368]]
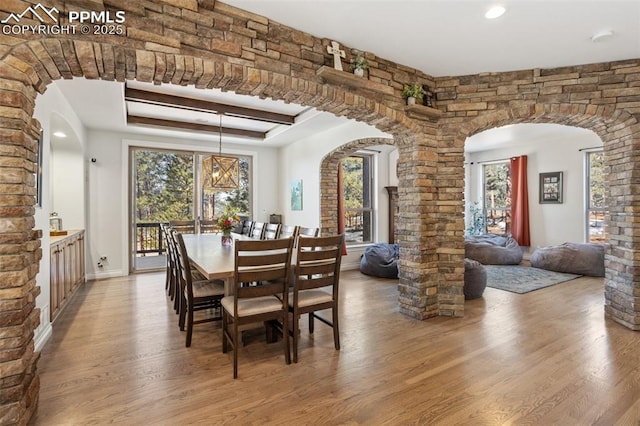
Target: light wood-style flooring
[[542, 358]]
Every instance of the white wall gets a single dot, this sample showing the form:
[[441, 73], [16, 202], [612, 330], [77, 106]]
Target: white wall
[[50, 108], [550, 224], [108, 204], [303, 160]]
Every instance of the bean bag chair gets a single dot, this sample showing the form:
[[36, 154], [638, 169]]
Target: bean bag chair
[[380, 260], [475, 279], [490, 249], [572, 258]]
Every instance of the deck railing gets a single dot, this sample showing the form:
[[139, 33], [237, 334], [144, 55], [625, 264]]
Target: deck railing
[[149, 238]]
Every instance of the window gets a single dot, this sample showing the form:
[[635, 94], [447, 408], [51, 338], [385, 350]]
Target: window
[[166, 186], [497, 197], [595, 197], [357, 174]]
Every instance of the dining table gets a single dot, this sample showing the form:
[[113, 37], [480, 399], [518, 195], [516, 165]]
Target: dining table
[[211, 258]]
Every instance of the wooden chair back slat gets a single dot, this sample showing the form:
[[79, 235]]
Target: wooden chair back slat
[[271, 231]]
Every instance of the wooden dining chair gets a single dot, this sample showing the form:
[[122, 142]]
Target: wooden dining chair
[[308, 232], [287, 231], [316, 284], [208, 226], [266, 261], [184, 226], [169, 283], [196, 295], [271, 231], [246, 227], [257, 231]]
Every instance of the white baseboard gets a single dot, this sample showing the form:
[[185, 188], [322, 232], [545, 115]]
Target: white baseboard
[[349, 266], [42, 333], [105, 275]]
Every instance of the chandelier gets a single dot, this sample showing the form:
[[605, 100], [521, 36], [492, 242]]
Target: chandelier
[[220, 172]]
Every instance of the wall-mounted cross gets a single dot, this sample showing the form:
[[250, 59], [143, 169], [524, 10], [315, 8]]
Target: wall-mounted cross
[[334, 50]]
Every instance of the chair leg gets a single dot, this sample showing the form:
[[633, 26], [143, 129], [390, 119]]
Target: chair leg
[[285, 338], [311, 322], [235, 349], [189, 325], [176, 298], [296, 335], [182, 313], [225, 323], [336, 331]]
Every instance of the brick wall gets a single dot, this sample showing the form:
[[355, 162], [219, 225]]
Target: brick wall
[[209, 44]]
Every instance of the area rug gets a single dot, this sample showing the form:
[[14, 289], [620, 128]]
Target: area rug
[[523, 279]]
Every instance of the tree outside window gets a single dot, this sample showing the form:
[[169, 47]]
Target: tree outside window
[[357, 177], [596, 202], [497, 197]]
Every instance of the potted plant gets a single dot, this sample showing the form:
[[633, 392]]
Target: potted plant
[[413, 92], [358, 64]]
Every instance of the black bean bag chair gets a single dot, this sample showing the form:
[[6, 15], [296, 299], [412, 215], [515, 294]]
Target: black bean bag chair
[[490, 249], [572, 258], [380, 260], [475, 279]]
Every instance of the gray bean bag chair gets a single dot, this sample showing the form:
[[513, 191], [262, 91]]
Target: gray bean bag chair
[[475, 279], [380, 260], [572, 258], [492, 249]]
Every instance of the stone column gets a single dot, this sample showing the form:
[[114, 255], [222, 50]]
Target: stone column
[[622, 280], [417, 221], [20, 253]]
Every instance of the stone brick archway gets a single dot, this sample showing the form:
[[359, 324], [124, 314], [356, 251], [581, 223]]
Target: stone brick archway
[[329, 179], [209, 44], [25, 70], [620, 134]]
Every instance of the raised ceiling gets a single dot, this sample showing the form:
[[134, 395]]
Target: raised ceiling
[[452, 37], [447, 37]]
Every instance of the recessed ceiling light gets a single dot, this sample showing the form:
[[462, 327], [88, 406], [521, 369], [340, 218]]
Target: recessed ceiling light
[[60, 134], [601, 35], [495, 12]]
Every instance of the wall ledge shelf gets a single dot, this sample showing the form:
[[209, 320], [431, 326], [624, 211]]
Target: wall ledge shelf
[[422, 112], [331, 75]]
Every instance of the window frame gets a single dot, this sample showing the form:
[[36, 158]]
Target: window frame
[[588, 209], [372, 210], [506, 210]]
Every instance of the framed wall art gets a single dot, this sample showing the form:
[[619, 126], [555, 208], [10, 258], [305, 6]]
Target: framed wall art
[[551, 188], [296, 195]]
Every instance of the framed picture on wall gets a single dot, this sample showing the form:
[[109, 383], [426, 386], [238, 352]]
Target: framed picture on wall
[[296, 195], [551, 188]]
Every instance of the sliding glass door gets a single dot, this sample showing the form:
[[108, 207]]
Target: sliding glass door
[[162, 191], [166, 186]]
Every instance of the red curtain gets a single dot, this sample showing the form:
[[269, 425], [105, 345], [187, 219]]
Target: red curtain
[[341, 206], [520, 201]]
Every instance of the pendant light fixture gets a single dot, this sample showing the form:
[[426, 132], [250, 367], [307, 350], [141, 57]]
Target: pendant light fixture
[[220, 172]]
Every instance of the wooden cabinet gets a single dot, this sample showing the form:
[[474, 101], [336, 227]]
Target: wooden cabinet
[[67, 271]]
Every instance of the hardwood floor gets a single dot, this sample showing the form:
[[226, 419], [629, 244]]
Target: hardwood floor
[[542, 358]]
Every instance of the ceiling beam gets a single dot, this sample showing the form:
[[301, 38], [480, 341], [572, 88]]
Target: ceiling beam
[[147, 121], [136, 95]]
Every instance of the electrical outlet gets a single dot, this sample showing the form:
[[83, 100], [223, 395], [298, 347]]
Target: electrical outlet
[[103, 258], [100, 265]]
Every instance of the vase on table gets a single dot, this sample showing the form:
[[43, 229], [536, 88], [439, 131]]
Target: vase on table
[[227, 239]]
